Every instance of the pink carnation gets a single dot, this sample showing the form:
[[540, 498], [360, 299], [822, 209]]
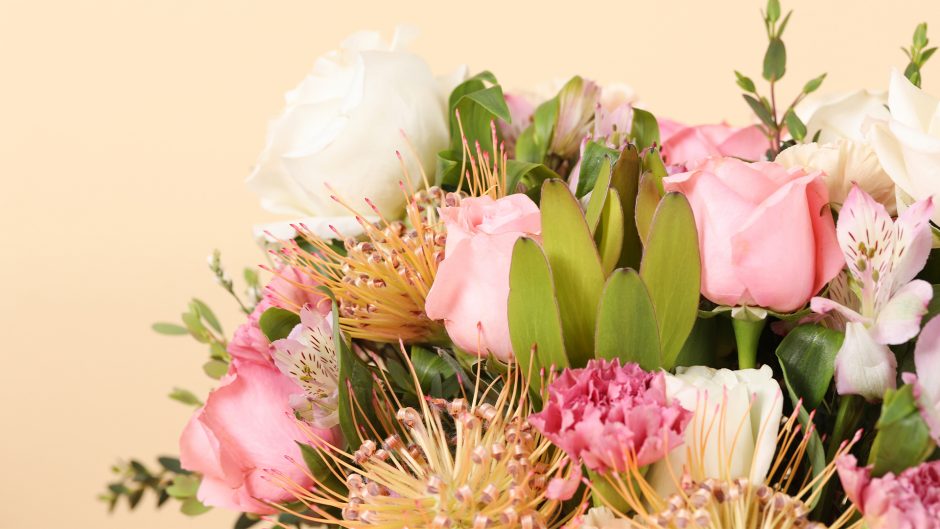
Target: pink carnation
[[910, 500], [606, 414], [290, 289]]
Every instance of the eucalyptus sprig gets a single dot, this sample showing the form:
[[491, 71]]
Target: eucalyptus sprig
[[774, 117], [202, 325], [134, 480], [918, 54]]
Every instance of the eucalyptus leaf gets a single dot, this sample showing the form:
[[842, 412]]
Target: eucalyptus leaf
[[775, 60], [206, 313], [193, 507], [183, 486], [215, 368], [185, 396], [626, 323], [760, 110]]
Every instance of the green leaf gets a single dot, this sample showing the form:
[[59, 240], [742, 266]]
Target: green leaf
[[355, 384], [276, 323], [626, 322], [430, 368], [760, 110], [534, 318], [193, 507], [903, 439], [773, 10], [527, 177], [775, 60], [532, 145], [215, 368], [185, 396], [245, 521], [576, 268], [171, 464], [609, 234], [671, 270], [183, 486], [647, 199], [744, 82], [795, 125], [598, 196], [313, 458], [171, 329], [595, 156], [206, 313], [194, 325], [645, 129], [807, 357], [625, 178], [813, 84], [920, 35]]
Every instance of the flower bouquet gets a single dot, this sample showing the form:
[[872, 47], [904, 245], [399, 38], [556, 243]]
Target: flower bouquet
[[550, 309]]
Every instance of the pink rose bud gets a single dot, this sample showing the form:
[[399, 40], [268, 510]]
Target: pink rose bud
[[765, 233]]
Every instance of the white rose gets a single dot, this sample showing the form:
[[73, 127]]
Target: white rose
[[844, 161], [342, 127], [908, 143], [729, 436], [843, 115]]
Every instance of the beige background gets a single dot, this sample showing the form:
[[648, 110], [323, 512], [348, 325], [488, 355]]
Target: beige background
[[127, 127]]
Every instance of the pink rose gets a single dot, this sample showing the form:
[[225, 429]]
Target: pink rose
[[289, 289], [471, 289], [765, 233], [683, 145], [605, 412], [910, 500], [242, 435]]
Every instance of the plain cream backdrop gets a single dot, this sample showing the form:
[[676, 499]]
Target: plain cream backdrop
[[128, 126]]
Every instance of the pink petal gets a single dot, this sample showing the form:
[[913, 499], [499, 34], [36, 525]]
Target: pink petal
[[865, 223], [899, 319], [913, 240], [854, 479], [927, 381], [826, 305], [863, 366]]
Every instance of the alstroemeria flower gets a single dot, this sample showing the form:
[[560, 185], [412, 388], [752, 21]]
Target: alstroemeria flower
[[886, 302], [610, 416], [910, 500], [927, 380], [308, 357]]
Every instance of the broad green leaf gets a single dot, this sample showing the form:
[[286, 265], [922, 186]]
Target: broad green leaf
[[647, 199], [703, 345], [355, 384], [645, 129], [775, 60], [169, 328], [276, 323], [625, 178], [795, 125], [532, 145], [609, 234], [534, 319], [215, 368], [598, 196], [185, 396], [903, 439], [193, 507], [183, 486], [527, 177], [595, 155], [626, 322], [206, 313], [671, 270], [314, 461], [430, 368], [807, 357], [576, 268]]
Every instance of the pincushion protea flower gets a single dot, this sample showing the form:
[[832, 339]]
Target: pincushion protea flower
[[782, 501], [466, 463]]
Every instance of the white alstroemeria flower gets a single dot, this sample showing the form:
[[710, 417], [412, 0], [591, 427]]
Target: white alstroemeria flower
[[733, 432], [927, 380], [342, 127], [908, 144], [308, 357], [884, 303]]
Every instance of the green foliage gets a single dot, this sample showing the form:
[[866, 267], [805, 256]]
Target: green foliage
[[918, 54], [626, 322], [671, 270], [903, 439], [807, 357], [318, 467], [596, 157], [355, 406], [134, 480], [201, 323], [645, 129], [276, 323], [609, 235], [185, 396]]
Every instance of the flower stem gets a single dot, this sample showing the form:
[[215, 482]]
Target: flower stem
[[747, 335], [851, 409]]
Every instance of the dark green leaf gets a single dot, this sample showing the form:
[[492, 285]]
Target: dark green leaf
[[626, 322], [594, 157], [355, 389], [171, 464], [276, 323], [245, 521], [775, 60], [645, 129], [807, 357], [760, 110], [527, 177], [625, 178]]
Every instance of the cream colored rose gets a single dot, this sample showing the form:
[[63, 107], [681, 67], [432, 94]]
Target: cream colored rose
[[908, 143], [341, 128], [843, 161], [842, 115]]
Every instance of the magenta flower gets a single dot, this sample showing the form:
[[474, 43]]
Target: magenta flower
[[610, 416], [910, 500]]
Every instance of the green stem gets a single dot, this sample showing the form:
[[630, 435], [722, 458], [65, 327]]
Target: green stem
[[747, 335], [604, 493], [851, 409]]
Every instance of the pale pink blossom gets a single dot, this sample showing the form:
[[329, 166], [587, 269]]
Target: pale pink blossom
[[884, 303], [610, 415], [685, 144], [927, 380], [471, 288], [910, 500]]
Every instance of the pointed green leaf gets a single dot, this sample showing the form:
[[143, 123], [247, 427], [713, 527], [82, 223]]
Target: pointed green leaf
[[744, 82], [647, 199], [645, 129], [527, 177], [775, 60], [609, 235], [671, 270], [599, 195], [625, 178], [185, 396], [813, 84], [795, 125], [807, 357], [595, 154], [534, 319], [903, 439], [276, 323], [626, 322], [171, 329], [203, 310], [576, 268], [355, 384], [760, 110]]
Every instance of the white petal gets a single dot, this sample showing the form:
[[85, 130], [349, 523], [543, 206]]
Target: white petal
[[863, 366], [913, 240], [910, 105], [899, 320]]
